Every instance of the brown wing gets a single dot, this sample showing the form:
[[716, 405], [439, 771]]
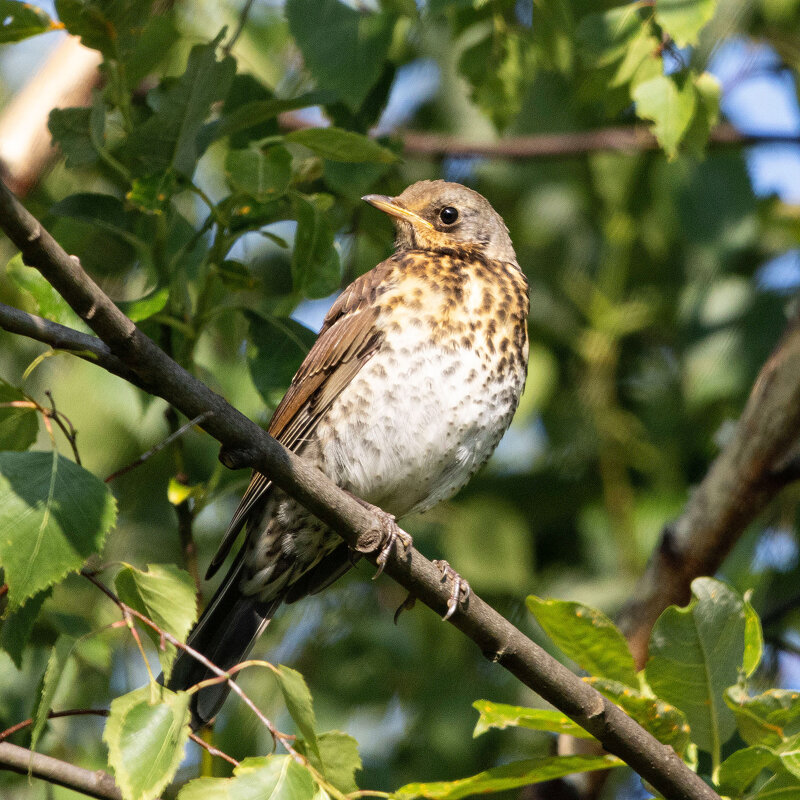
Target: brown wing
[[347, 340]]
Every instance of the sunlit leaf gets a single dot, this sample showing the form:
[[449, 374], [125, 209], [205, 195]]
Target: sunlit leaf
[[767, 719], [683, 21], [668, 101], [336, 144], [146, 740], [18, 426], [53, 516], [500, 715], [695, 654], [587, 636]]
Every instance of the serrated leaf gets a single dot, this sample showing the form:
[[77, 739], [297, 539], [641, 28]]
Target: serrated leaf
[[336, 144], [169, 138], [345, 50], [509, 776], [667, 723], [587, 636], [79, 132], [18, 426], [110, 27], [500, 715], [166, 595], [264, 176], [146, 740], [53, 516], [280, 346], [339, 759], [21, 20], [265, 778], [695, 654], [683, 21], [49, 684], [15, 632], [315, 261], [299, 705], [668, 101], [767, 719], [499, 68]]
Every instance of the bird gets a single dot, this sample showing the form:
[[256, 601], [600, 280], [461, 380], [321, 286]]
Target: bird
[[414, 378]]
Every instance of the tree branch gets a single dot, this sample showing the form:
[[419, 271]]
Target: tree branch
[[92, 783], [246, 444], [753, 467]]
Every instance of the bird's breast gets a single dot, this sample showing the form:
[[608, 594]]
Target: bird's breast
[[430, 405]]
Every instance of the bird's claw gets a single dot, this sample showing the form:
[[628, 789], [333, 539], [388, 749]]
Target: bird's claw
[[393, 536], [461, 590]]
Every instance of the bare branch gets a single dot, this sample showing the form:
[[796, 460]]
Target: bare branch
[[245, 443], [746, 475], [92, 783]]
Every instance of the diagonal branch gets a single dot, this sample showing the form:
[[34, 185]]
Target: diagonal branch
[[244, 443], [92, 783], [757, 462]]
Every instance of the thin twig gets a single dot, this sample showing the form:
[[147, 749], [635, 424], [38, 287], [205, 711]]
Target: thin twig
[[239, 27], [159, 447], [72, 712], [213, 750]]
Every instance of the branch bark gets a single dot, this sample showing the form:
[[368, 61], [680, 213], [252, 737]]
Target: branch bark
[[92, 783], [246, 444], [757, 462]]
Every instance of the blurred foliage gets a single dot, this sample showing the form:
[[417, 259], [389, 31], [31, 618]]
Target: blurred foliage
[[185, 197]]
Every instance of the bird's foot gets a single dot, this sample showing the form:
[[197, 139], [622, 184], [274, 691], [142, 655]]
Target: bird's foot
[[392, 536], [461, 590]]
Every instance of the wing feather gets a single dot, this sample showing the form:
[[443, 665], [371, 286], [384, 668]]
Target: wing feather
[[348, 339]]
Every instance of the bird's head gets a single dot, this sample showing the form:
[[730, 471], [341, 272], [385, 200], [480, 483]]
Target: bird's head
[[437, 215]]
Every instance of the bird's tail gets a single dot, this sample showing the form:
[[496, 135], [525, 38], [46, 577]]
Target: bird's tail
[[224, 634]]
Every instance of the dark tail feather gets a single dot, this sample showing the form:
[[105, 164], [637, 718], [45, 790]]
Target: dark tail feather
[[224, 634]]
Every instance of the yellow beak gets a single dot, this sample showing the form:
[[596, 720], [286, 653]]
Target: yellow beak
[[394, 209]]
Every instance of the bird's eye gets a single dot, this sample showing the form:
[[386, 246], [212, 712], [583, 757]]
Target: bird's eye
[[448, 215]]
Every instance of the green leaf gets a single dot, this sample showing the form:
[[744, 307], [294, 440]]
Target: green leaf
[[683, 20], [695, 653], [299, 705], [49, 684], [169, 138], [779, 787], [315, 262], [78, 132], [167, 596], [742, 767], [706, 113], [20, 20], [499, 69], [18, 426], [500, 715], [605, 38], [667, 723], [669, 102], [260, 175], [264, 778], [146, 306], [48, 302], [146, 740], [53, 516], [753, 639], [152, 193], [768, 719], [336, 144], [339, 759], [509, 776], [110, 27], [16, 628], [257, 112], [280, 347], [587, 636], [345, 50]]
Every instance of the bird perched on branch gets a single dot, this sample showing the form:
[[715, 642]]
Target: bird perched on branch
[[414, 378]]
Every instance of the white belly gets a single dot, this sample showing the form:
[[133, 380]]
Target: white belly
[[405, 438]]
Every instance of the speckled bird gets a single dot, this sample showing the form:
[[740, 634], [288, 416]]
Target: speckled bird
[[413, 380]]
